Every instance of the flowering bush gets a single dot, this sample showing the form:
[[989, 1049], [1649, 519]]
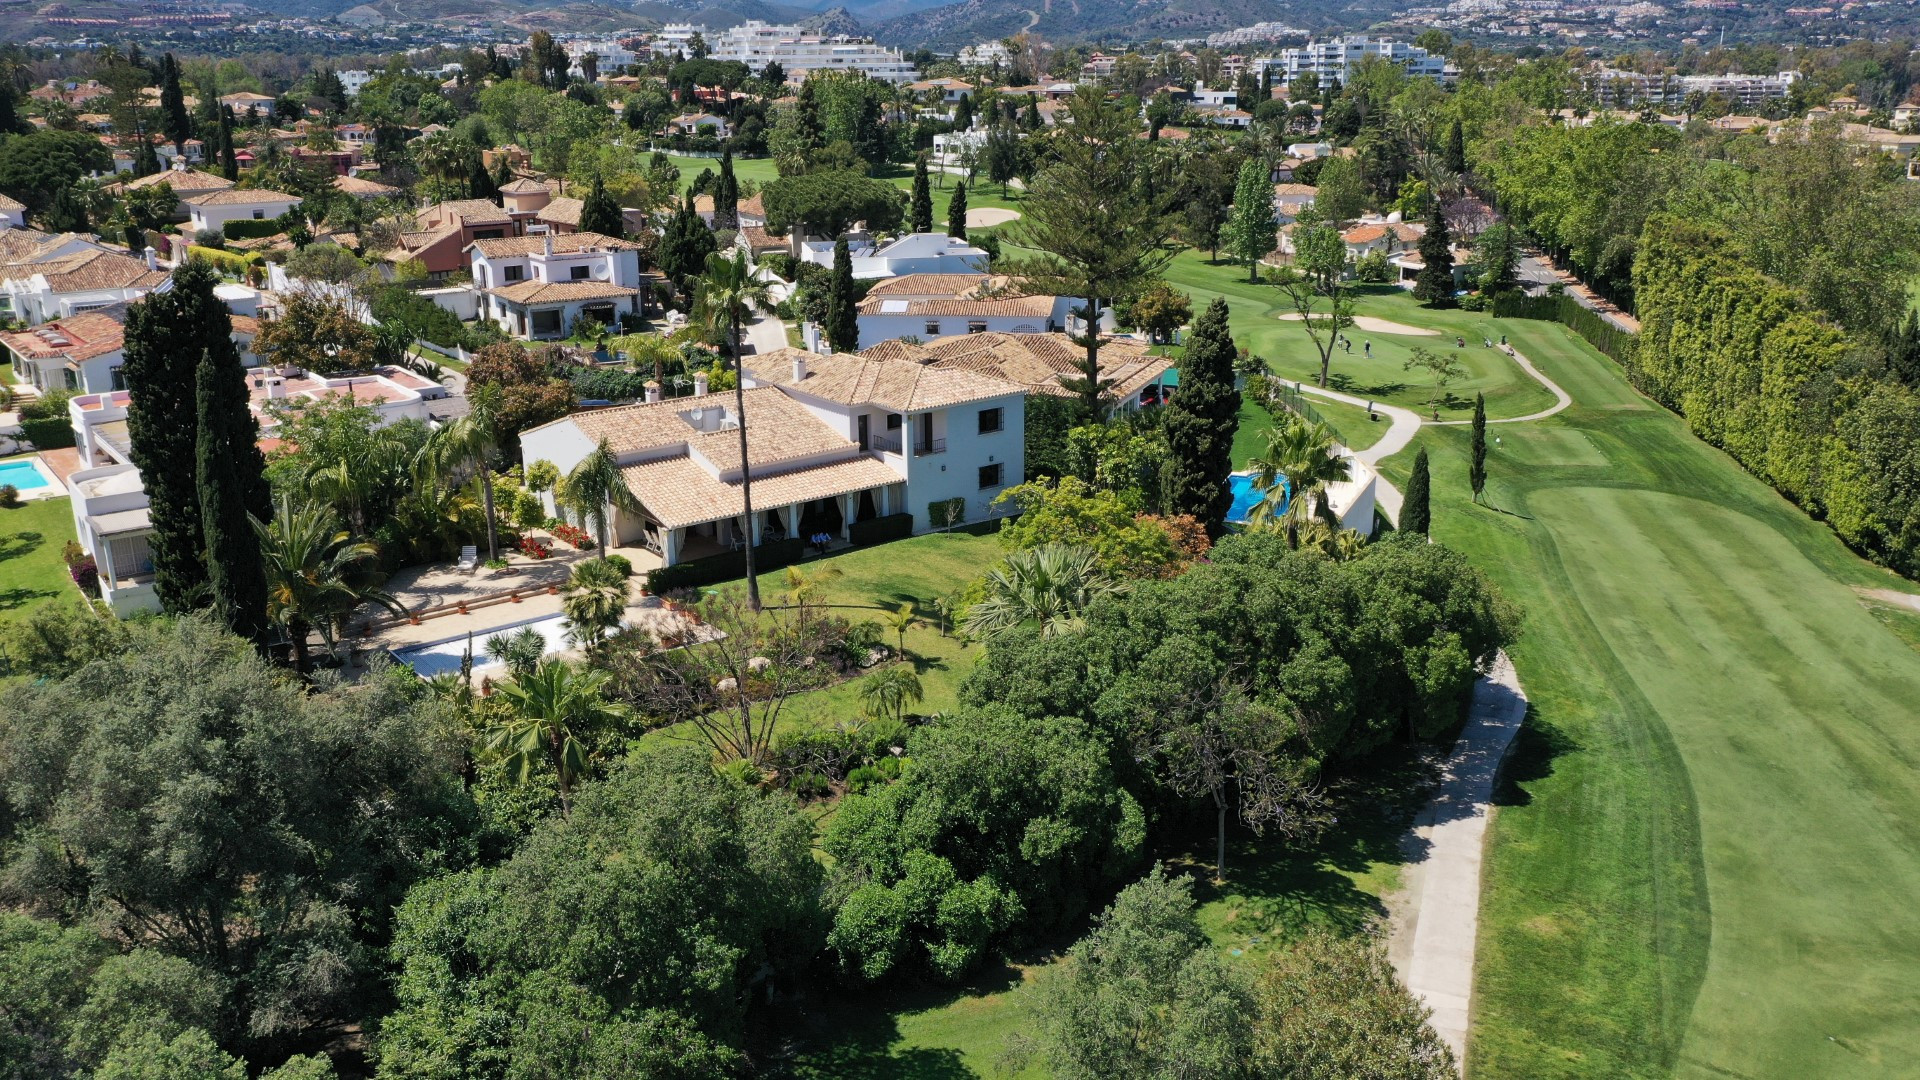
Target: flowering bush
[[534, 549], [86, 575], [573, 534]]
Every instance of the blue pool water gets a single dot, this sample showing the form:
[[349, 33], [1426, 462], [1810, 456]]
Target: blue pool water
[[1245, 496], [22, 475]]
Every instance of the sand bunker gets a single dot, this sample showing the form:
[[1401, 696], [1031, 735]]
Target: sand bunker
[[1365, 322], [988, 216]]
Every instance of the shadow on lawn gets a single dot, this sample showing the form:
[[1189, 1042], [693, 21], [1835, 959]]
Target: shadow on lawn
[[1534, 751], [853, 1035], [19, 545], [1346, 384]]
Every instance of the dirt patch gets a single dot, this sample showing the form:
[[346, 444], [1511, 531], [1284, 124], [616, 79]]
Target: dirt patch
[[1368, 323], [988, 216]]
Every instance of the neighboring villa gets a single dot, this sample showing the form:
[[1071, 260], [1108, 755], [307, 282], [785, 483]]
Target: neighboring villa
[[82, 352], [914, 253], [212, 211], [750, 211], [1038, 363], [13, 213], [443, 232], [185, 184], [68, 275], [831, 440], [536, 287], [922, 306]]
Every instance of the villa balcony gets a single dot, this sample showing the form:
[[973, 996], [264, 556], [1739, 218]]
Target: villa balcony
[[929, 447]]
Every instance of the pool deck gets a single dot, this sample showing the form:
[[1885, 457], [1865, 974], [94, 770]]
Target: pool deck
[[56, 487]]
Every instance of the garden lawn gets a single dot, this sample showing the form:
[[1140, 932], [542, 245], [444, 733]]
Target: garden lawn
[[758, 170], [32, 573], [1254, 317], [1708, 840]]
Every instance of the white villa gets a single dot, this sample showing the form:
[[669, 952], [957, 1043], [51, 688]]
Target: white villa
[[830, 440], [537, 286], [214, 209], [914, 253], [111, 522], [923, 306], [55, 277]]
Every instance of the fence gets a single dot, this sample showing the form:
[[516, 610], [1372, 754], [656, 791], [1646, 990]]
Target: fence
[[1272, 393]]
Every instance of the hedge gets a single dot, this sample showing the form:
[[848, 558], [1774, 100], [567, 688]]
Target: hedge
[[232, 262], [251, 229], [725, 566], [881, 529], [1601, 334], [52, 433]]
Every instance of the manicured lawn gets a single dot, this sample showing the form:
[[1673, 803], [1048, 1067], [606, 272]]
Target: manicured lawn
[[758, 170], [1254, 318], [31, 570], [1707, 848], [762, 170]]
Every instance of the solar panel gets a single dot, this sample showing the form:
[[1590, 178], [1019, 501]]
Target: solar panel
[[893, 307]]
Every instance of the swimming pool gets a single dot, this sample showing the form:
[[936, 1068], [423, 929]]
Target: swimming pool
[[443, 656], [23, 474], [1246, 496]]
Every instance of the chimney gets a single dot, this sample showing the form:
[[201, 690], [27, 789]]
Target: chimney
[[799, 367], [276, 389], [699, 384], [653, 390], [153, 260], [547, 242]]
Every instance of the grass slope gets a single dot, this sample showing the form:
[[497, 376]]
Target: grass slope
[[31, 570], [1707, 846]]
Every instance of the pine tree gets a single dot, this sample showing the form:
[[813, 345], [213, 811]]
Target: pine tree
[[166, 335], [1477, 474], [957, 212], [1434, 285], [229, 157], [1251, 229], [228, 469], [1201, 421], [599, 213], [67, 214], [684, 245], [921, 215], [726, 196], [1416, 515], [1456, 148], [11, 122], [173, 104], [843, 315]]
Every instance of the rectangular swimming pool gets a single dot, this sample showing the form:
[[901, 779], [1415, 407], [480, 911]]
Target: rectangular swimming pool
[[23, 474], [1246, 496]]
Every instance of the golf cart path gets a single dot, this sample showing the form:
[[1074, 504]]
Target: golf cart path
[[1562, 399], [1405, 426]]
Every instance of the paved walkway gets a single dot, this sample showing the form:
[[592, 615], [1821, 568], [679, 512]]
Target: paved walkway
[[1406, 424], [1562, 399]]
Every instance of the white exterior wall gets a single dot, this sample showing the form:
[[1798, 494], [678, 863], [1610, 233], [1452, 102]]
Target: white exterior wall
[[124, 597], [955, 473], [757, 44], [216, 216]]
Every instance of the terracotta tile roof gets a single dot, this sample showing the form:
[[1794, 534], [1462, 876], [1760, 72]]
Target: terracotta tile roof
[[759, 239], [240, 197], [853, 379], [98, 270], [471, 211], [354, 185], [29, 245], [1295, 189], [779, 429], [183, 181], [563, 210], [703, 204], [1028, 307], [508, 247], [677, 492], [526, 186], [1036, 361], [8, 202], [560, 292], [943, 285], [77, 337], [1364, 234]]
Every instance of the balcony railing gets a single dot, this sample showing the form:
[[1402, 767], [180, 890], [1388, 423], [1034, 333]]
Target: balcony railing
[[930, 446], [884, 444]]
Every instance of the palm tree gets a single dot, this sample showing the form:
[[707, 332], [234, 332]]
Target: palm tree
[[900, 622], [1051, 585], [550, 717], [316, 573], [890, 690], [1306, 455], [468, 445], [727, 296], [594, 486], [519, 652], [594, 600]]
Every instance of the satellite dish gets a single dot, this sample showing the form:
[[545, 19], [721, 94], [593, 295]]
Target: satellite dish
[[697, 414]]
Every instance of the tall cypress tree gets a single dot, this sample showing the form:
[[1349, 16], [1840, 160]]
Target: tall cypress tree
[[11, 122], [1416, 511], [1456, 148], [145, 161], [957, 212], [963, 112], [1434, 285], [231, 480], [726, 196], [599, 213], [922, 206], [166, 335], [843, 316], [229, 157], [1477, 473], [173, 104], [1201, 421], [480, 183]]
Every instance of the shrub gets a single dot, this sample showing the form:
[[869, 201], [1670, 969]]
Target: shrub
[[48, 434], [534, 548], [947, 512], [864, 777], [809, 785], [86, 575], [622, 564], [9, 496], [248, 229], [881, 529], [725, 566], [1373, 267], [212, 238], [573, 535]]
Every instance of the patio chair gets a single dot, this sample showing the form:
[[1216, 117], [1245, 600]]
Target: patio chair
[[469, 559]]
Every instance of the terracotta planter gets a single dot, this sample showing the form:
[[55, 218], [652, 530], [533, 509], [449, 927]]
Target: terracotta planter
[[413, 620], [513, 598], [553, 590]]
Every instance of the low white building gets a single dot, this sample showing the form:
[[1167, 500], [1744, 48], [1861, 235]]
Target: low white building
[[111, 523], [915, 253], [757, 44], [923, 306], [831, 440], [539, 285], [82, 352], [83, 277], [214, 209], [13, 213], [951, 149], [1289, 199]]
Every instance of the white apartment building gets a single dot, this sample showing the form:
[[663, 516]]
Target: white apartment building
[[355, 80], [1623, 89], [613, 56], [831, 440], [678, 38], [1336, 59], [757, 44]]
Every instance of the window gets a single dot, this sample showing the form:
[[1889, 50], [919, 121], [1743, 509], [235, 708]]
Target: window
[[117, 374], [259, 214], [990, 476], [976, 328], [579, 273], [516, 273], [893, 421], [990, 420], [933, 329]]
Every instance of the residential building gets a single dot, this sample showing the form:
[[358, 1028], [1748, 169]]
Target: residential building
[[751, 212], [677, 38], [111, 523], [362, 188], [64, 285], [538, 286], [1039, 363], [185, 183], [831, 440], [949, 91], [914, 253], [612, 57], [213, 210], [1336, 59], [986, 54], [1289, 199], [922, 306], [245, 100], [695, 123], [355, 80], [442, 232], [757, 44], [1623, 89], [13, 213], [82, 352]]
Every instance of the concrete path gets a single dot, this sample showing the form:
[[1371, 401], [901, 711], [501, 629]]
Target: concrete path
[[1405, 426], [1562, 399], [1443, 916], [765, 334]]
